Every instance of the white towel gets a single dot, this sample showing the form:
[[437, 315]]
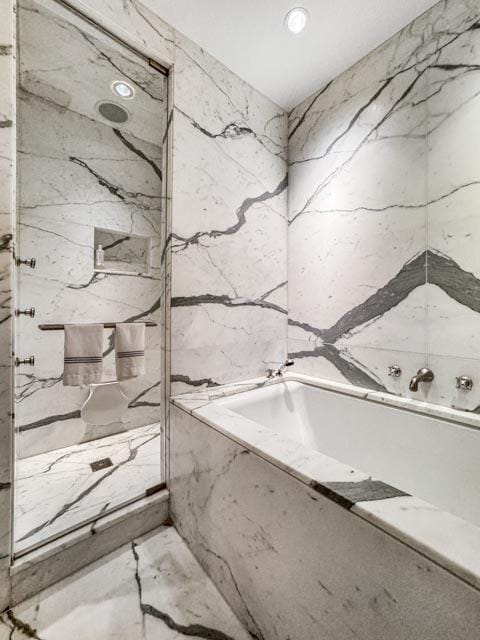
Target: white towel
[[83, 355], [130, 350]]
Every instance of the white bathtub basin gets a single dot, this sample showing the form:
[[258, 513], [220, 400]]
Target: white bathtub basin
[[424, 456]]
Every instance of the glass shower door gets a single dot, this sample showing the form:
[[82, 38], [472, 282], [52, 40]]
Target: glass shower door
[[90, 236]]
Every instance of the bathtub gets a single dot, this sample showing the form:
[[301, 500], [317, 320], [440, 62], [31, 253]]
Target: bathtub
[[322, 510], [427, 457]]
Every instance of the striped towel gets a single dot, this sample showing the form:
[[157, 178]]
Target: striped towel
[[83, 359], [130, 350]]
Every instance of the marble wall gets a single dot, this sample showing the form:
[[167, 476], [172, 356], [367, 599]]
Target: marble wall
[[229, 226], [294, 564], [383, 176]]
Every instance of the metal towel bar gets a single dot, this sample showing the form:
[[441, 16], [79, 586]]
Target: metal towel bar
[[107, 325]]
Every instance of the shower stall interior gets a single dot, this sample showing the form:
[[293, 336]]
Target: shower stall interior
[[89, 247]]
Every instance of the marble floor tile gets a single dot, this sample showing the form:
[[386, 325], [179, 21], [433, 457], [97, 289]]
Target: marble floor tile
[[58, 490], [152, 588]]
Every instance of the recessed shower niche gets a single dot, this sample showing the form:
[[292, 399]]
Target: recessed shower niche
[[85, 180], [117, 252]]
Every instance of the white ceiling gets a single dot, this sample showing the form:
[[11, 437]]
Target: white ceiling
[[249, 37]]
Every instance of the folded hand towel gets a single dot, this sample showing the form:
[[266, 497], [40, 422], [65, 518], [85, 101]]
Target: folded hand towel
[[83, 359], [130, 350]]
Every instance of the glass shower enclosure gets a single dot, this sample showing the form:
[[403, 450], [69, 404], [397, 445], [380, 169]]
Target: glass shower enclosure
[[89, 248]]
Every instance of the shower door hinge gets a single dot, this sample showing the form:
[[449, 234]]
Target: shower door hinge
[[159, 67]]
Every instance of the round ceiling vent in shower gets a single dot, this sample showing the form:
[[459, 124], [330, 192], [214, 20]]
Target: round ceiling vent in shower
[[113, 112]]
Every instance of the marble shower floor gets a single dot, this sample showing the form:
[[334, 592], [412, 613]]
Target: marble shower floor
[[58, 490], [150, 589]]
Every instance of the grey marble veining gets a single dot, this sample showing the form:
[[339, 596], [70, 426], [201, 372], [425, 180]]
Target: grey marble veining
[[386, 145], [229, 310], [347, 494], [454, 184], [151, 588]]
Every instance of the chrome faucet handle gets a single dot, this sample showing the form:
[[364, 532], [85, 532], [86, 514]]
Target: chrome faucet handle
[[394, 371], [278, 373], [464, 382]]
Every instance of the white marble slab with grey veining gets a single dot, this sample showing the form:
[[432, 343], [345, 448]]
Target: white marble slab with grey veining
[[59, 490], [151, 588], [229, 308], [383, 182], [292, 561]]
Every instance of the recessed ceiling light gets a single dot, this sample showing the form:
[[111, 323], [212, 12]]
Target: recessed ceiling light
[[296, 19], [123, 89]]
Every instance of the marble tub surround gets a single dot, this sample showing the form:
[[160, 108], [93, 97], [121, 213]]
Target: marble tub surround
[[78, 172], [251, 525], [59, 490], [150, 588], [229, 306], [383, 149], [7, 206], [446, 539]]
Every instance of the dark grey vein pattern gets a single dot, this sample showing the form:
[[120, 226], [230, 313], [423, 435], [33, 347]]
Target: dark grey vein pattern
[[195, 629], [200, 382], [347, 494], [256, 634], [235, 130], [188, 301], [240, 213], [460, 285], [15, 624], [156, 169]]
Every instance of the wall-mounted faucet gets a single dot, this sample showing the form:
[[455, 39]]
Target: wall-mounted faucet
[[423, 375], [465, 383], [278, 373]]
